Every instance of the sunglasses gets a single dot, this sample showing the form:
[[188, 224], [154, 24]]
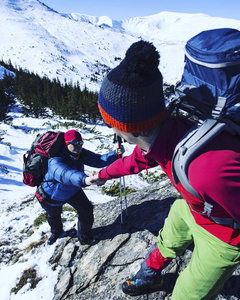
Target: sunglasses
[[74, 142]]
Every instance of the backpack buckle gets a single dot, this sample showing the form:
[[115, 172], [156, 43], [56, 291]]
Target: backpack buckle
[[207, 208], [217, 110]]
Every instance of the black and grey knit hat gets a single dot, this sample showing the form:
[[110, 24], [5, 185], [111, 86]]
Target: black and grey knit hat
[[131, 96]]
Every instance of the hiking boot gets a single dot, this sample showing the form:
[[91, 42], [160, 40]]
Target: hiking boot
[[136, 286], [72, 233], [54, 237], [87, 240]]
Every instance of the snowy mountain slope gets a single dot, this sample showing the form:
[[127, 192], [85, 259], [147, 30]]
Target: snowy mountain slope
[[168, 32], [22, 244], [41, 40], [83, 48], [38, 38]]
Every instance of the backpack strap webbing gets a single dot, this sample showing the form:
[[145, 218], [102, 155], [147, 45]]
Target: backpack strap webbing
[[227, 222]]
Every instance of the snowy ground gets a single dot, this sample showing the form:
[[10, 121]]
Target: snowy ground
[[49, 43], [19, 208]]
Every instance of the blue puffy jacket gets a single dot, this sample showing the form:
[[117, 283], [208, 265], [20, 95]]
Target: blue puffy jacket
[[65, 175]]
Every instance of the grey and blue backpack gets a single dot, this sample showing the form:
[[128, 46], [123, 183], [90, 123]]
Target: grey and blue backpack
[[209, 94]]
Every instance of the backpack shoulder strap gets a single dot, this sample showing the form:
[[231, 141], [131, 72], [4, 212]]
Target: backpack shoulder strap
[[194, 140], [188, 147]]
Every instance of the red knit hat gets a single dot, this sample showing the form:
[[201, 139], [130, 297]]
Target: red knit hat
[[72, 135]]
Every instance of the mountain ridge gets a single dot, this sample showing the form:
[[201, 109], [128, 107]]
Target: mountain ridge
[[76, 47]]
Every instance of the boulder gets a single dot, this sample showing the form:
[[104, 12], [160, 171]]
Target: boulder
[[97, 271]]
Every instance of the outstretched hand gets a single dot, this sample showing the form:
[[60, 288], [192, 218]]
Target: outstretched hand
[[93, 179]]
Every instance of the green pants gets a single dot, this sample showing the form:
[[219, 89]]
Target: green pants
[[212, 262]]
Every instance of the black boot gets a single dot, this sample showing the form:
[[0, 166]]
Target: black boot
[[54, 237], [139, 284], [87, 240]]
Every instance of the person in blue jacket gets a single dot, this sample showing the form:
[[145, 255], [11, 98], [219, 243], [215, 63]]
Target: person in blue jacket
[[64, 181]]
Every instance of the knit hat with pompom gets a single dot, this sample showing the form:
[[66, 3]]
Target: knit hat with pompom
[[131, 95]]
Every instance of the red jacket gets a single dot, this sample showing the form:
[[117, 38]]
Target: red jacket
[[214, 174]]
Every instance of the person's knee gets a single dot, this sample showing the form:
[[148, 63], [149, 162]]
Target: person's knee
[[178, 205], [53, 214]]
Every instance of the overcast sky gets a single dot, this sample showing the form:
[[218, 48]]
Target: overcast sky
[[126, 9]]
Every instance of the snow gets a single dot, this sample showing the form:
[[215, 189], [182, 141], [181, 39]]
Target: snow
[[71, 47], [3, 70], [74, 46], [19, 208]]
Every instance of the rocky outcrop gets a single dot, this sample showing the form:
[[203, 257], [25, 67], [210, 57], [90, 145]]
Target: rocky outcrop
[[96, 272]]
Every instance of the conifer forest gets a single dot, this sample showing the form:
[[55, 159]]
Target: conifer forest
[[41, 97]]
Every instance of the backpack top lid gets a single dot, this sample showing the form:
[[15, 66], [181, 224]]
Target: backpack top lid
[[211, 76], [217, 47]]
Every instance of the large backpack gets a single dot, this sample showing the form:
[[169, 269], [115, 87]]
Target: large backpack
[[209, 94], [35, 160]]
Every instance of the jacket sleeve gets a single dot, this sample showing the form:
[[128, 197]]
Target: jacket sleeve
[[61, 172], [127, 165], [96, 160]]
